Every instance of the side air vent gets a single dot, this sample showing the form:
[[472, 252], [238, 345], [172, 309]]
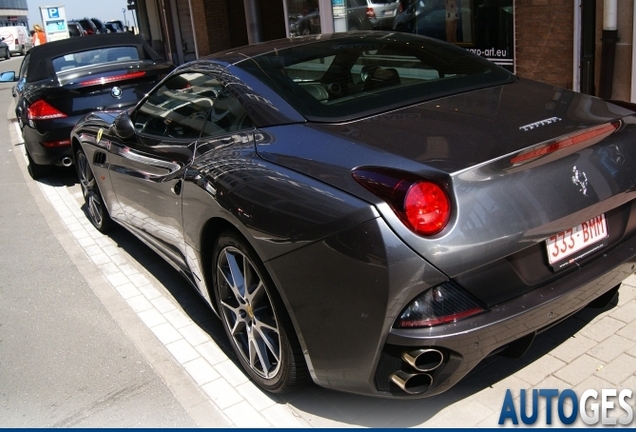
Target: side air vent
[[99, 158]]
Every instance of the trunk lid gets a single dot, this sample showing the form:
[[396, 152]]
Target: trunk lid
[[78, 90]]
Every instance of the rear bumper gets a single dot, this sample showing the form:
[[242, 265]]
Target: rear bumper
[[467, 342], [53, 131]]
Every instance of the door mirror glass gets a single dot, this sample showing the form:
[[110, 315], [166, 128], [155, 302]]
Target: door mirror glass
[[8, 76]]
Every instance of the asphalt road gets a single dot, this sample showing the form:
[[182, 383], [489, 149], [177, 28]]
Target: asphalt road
[[64, 360]]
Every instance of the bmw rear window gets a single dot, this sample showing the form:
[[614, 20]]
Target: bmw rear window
[[346, 78], [95, 57]]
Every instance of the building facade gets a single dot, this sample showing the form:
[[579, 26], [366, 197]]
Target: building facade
[[13, 13], [560, 42]]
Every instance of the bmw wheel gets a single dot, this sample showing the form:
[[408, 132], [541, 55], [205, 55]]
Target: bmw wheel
[[254, 318], [95, 208]]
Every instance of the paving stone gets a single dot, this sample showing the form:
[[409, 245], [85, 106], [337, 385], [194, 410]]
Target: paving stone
[[201, 371], [222, 393], [618, 370], [579, 369], [540, 369], [602, 329], [573, 348], [611, 348], [243, 415]]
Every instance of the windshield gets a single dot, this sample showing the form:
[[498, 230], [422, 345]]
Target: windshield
[[350, 77]]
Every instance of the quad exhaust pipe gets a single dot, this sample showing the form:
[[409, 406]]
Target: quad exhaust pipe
[[423, 361], [412, 383]]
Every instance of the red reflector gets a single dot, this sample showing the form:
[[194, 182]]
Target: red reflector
[[42, 110], [427, 208], [106, 80], [599, 132], [61, 143], [430, 322]]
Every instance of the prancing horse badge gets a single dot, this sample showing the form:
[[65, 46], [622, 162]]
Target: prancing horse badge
[[99, 135]]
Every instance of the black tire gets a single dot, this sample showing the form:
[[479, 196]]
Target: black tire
[[37, 171], [254, 317], [95, 209], [7, 55], [22, 50]]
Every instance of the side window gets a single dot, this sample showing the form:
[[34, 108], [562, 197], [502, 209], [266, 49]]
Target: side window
[[188, 106]]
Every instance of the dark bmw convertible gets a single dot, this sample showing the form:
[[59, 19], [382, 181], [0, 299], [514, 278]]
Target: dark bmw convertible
[[62, 81], [375, 211]]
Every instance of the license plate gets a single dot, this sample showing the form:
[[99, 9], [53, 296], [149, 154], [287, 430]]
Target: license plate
[[389, 12], [566, 246]]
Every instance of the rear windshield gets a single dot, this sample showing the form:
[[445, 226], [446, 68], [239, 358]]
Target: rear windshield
[[95, 57], [347, 78]]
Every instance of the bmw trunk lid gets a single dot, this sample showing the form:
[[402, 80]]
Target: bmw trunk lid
[[111, 86]]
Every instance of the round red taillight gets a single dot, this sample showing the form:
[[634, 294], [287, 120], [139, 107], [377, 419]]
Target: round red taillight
[[427, 208], [422, 205]]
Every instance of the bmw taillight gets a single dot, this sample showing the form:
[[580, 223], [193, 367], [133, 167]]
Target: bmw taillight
[[370, 13], [42, 110], [421, 204], [443, 304]]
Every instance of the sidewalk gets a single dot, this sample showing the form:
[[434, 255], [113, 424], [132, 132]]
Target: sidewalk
[[593, 349]]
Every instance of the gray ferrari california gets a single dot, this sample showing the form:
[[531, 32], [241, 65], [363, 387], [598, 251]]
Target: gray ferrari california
[[375, 211]]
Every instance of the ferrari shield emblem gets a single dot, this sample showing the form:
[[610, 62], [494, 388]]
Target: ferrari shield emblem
[[99, 135]]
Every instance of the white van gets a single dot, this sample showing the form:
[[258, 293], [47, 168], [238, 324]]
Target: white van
[[17, 37]]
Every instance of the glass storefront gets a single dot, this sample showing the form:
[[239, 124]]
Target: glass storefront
[[485, 27], [303, 17]]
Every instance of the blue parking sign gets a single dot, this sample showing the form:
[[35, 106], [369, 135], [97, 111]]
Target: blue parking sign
[[53, 12]]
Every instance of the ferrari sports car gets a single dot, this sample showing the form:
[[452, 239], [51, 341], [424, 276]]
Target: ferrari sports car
[[375, 211], [60, 82]]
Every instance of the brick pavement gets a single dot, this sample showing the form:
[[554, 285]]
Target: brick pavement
[[593, 349]]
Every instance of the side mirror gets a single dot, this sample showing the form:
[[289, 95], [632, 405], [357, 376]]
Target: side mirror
[[8, 76], [124, 127]]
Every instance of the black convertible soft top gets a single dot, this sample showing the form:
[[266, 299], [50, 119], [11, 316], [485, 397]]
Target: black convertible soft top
[[40, 63]]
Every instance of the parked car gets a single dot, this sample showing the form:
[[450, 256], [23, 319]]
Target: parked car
[[5, 51], [425, 19], [113, 27], [101, 27], [378, 211], [17, 38], [89, 26], [61, 81], [381, 13], [75, 29], [361, 15], [118, 24]]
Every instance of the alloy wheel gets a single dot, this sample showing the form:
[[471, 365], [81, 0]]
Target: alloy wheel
[[97, 213], [248, 313]]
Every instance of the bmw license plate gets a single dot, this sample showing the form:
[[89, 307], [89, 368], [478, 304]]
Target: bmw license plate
[[577, 242]]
